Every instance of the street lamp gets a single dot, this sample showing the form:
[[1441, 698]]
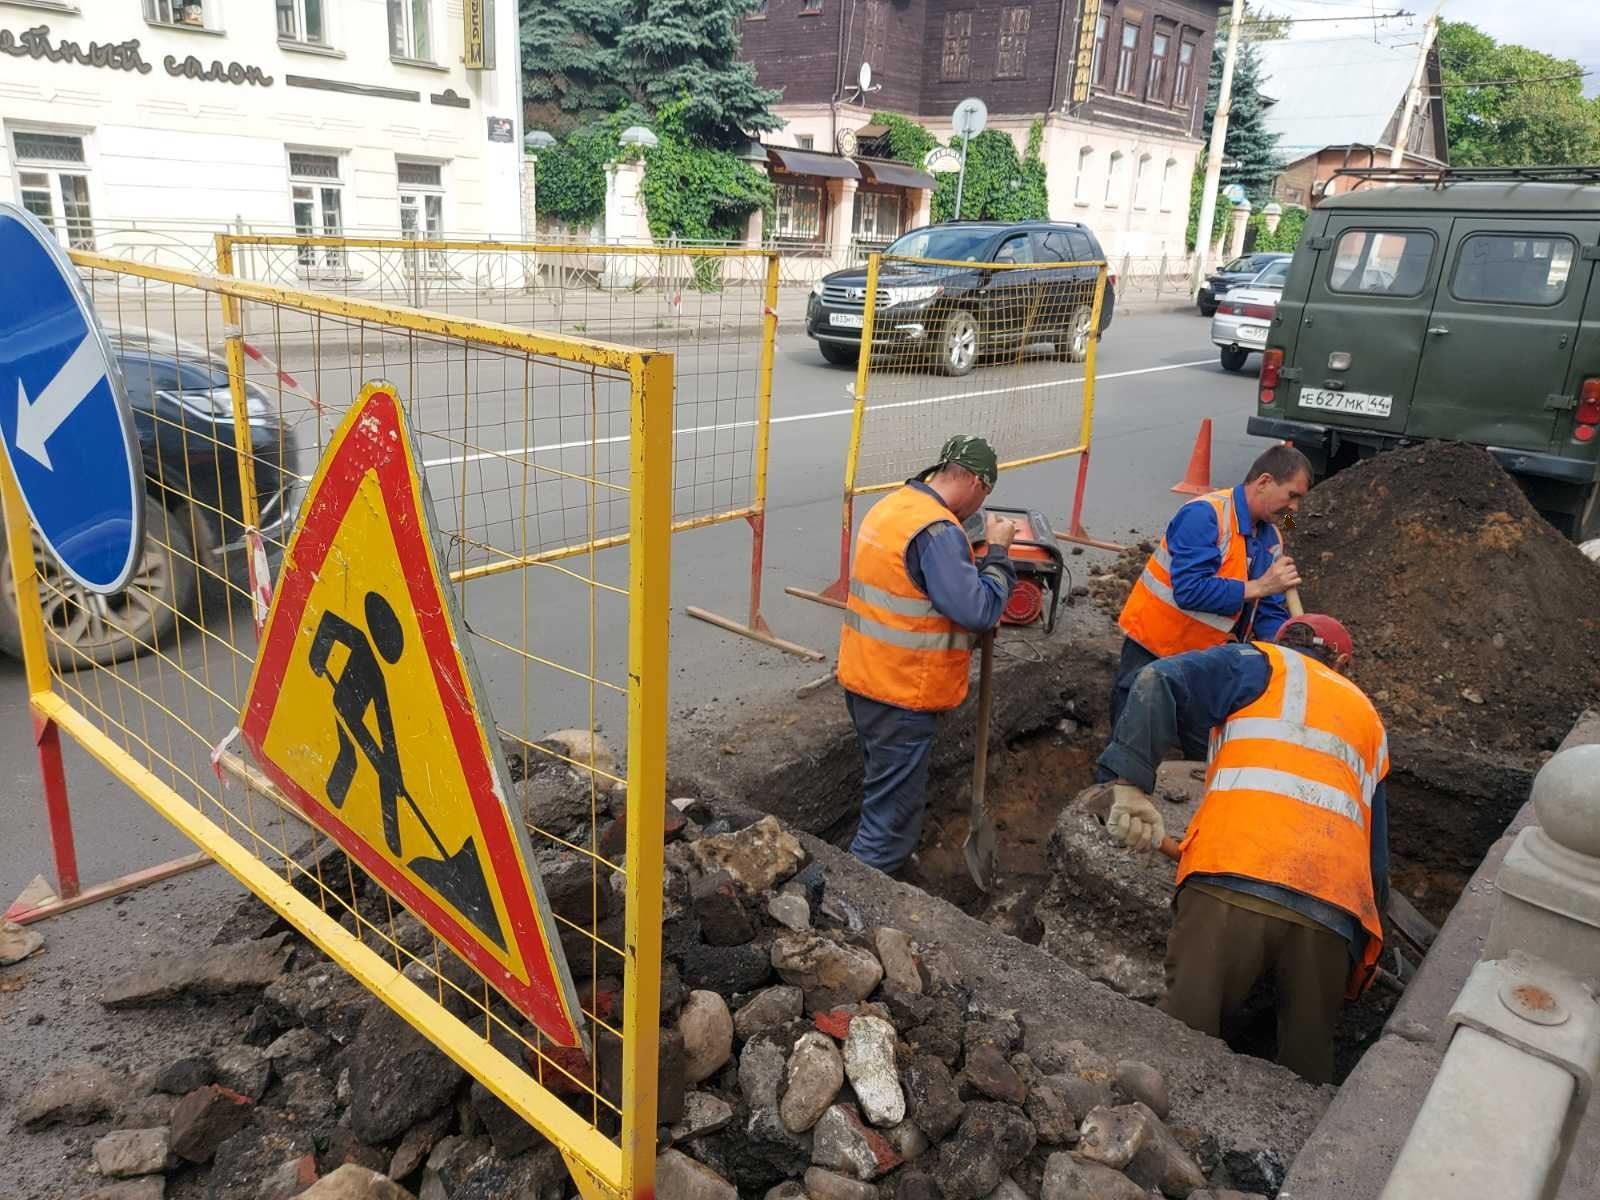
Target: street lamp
[[638, 135], [537, 139]]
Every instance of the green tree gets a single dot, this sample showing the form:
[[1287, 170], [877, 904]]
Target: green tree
[[908, 141], [1000, 184], [569, 62], [1250, 144], [694, 191], [1507, 105]]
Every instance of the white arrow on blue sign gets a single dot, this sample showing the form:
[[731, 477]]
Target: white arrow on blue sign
[[65, 421]]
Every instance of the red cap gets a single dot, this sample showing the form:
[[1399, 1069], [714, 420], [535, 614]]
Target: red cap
[[1327, 630]]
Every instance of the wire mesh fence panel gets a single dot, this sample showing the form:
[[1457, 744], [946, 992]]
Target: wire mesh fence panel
[[545, 493], [986, 349]]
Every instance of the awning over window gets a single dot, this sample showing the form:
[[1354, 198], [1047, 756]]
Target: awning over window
[[811, 162], [896, 174]]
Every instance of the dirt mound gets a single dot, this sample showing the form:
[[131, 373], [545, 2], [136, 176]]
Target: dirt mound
[[1473, 618], [1108, 587]]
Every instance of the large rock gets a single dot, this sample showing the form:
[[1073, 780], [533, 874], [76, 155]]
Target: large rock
[[828, 972], [1132, 1139], [908, 1140], [931, 1095], [679, 1177], [323, 997], [707, 1029], [724, 919], [269, 1159], [146, 1112], [730, 970], [814, 1075], [129, 1152], [584, 747], [151, 1187], [76, 1095], [829, 1185], [228, 970], [245, 1069], [987, 1070], [552, 801], [1066, 1178], [899, 960], [206, 1118], [1053, 1116], [841, 1141], [869, 1063], [1137, 1081], [791, 911], [397, 1077], [756, 857], [297, 1050], [915, 1185], [991, 1140], [183, 1075], [352, 1182], [508, 1132], [417, 1144], [761, 1070], [703, 1113], [767, 1008]]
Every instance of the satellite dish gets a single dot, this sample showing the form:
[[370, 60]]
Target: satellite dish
[[970, 117], [865, 77]]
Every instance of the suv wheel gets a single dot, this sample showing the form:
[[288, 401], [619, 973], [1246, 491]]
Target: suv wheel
[[1233, 358], [1208, 310], [1074, 345], [107, 629], [839, 356], [958, 343]]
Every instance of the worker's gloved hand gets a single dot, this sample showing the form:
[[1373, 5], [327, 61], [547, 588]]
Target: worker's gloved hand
[[1134, 819]]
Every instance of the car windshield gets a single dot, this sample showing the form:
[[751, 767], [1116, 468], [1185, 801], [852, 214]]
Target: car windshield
[[1273, 276], [961, 243]]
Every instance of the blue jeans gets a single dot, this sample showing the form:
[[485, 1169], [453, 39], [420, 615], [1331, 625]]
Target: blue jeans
[[896, 744], [1134, 659]]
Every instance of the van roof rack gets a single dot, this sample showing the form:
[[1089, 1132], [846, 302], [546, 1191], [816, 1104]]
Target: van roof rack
[[1439, 176]]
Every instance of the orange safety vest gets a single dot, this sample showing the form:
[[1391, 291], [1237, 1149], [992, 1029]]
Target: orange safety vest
[[895, 647], [1289, 784], [1152, 617]]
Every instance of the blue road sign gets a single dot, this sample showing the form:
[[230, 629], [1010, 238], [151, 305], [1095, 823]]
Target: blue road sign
[[64, 417]]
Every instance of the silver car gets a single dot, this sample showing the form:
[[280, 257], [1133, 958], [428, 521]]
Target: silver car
[[1245, 315]]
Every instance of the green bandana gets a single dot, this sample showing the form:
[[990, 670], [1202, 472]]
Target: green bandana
[[973, 453]]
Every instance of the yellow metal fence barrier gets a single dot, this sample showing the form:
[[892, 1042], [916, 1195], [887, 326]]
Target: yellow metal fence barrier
[[944, 347], [549, 460]]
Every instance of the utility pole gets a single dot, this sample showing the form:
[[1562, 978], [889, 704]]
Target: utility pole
[[1214, 155], [1414, 92]]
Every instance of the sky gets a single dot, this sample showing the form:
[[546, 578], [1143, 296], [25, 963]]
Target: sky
[[1566, 28]]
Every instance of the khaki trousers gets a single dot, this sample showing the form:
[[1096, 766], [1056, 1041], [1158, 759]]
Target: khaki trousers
[[1216, 952]]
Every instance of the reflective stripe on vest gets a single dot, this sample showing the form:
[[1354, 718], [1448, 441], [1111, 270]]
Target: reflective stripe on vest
[[1152, 616], [895, 646]]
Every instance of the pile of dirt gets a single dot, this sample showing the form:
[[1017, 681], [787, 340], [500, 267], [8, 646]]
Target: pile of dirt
[[1474, 620], [1109, 585]]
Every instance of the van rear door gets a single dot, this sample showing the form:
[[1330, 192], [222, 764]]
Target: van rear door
[[1500, 340], [1365, 315]]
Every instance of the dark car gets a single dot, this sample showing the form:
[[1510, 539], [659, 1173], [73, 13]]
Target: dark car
[[1240, 271], [951, 316], [183, 411]]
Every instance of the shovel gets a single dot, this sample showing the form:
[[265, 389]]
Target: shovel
[[979, 848]]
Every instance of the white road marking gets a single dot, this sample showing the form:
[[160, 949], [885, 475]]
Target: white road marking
[[830, 414]]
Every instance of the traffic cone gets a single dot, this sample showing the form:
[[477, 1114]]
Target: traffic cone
[[1197, 480]]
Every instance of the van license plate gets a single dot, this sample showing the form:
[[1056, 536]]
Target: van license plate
[[1359, 404], [846, 320]]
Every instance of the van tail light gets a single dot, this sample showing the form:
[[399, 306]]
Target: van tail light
[[1588, 415], [1262, 312], [1271, 370]]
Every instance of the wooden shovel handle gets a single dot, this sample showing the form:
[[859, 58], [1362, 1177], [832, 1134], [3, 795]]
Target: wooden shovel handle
[[1291, 597]]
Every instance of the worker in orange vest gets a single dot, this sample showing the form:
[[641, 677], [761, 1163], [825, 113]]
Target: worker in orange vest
[[1218, 576], [918, 602], [1285, 867]]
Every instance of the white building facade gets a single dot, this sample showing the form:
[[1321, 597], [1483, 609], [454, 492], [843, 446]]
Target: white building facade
[[156, 122]]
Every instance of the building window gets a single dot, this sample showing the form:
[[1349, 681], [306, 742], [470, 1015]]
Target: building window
[[1097, 64], [1113, 179], [1155, 89], [422, 205], [1141, 182], [1012, 61], [810, 6], [177, 12], [798, 212], [1164, 200], [1080, 185], [317, 193], [1181, 83], [957, 61], [302, 21], [877, 217], [53, 184], [872, 44], [1128, 58], [759, 11], [410, 30], [805, 141]]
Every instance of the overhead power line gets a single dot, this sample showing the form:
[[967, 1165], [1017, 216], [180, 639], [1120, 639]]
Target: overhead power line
[[1394, 16], [1479, 83]]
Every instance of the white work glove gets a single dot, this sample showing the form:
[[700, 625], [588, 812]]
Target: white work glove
[[1134, 819]]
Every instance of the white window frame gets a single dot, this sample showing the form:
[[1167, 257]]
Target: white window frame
[[300, 37], [406, 11], [1080, 191], [425, 203], [29, 172], [1164, 200], [314, 190], [1113, 178], [805, 141], [170, 13], [1141, 183]]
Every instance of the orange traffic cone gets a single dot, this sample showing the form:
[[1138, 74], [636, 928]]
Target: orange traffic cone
[[1197, 480]]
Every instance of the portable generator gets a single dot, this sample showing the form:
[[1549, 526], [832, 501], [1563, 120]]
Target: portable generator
[[1037, 559]]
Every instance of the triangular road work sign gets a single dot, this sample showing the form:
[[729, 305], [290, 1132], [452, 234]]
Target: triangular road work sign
[[365, 709]]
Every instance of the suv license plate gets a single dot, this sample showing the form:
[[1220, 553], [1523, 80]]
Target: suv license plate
[[846, 320], [1359, 404]]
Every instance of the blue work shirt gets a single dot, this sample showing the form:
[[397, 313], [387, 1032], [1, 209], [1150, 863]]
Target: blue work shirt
[[939, 561], [1192, 542], [1205, 687]]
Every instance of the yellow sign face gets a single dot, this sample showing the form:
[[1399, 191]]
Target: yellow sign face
[[475, 52], [364, 709], [1083, 65]]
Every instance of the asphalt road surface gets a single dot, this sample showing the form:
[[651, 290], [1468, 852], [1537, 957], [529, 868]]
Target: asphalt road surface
[[1159, 377]]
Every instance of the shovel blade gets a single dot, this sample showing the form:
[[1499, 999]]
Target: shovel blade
[[982, 854]]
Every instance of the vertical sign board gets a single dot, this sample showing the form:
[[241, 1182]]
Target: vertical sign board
[[477, 35], [366, 710], [65, 420], [1083, 64]]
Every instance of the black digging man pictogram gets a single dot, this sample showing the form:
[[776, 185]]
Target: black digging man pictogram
[[359, 687]]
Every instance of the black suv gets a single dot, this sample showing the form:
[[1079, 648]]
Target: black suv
[[950, 316], [1231, 275]]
